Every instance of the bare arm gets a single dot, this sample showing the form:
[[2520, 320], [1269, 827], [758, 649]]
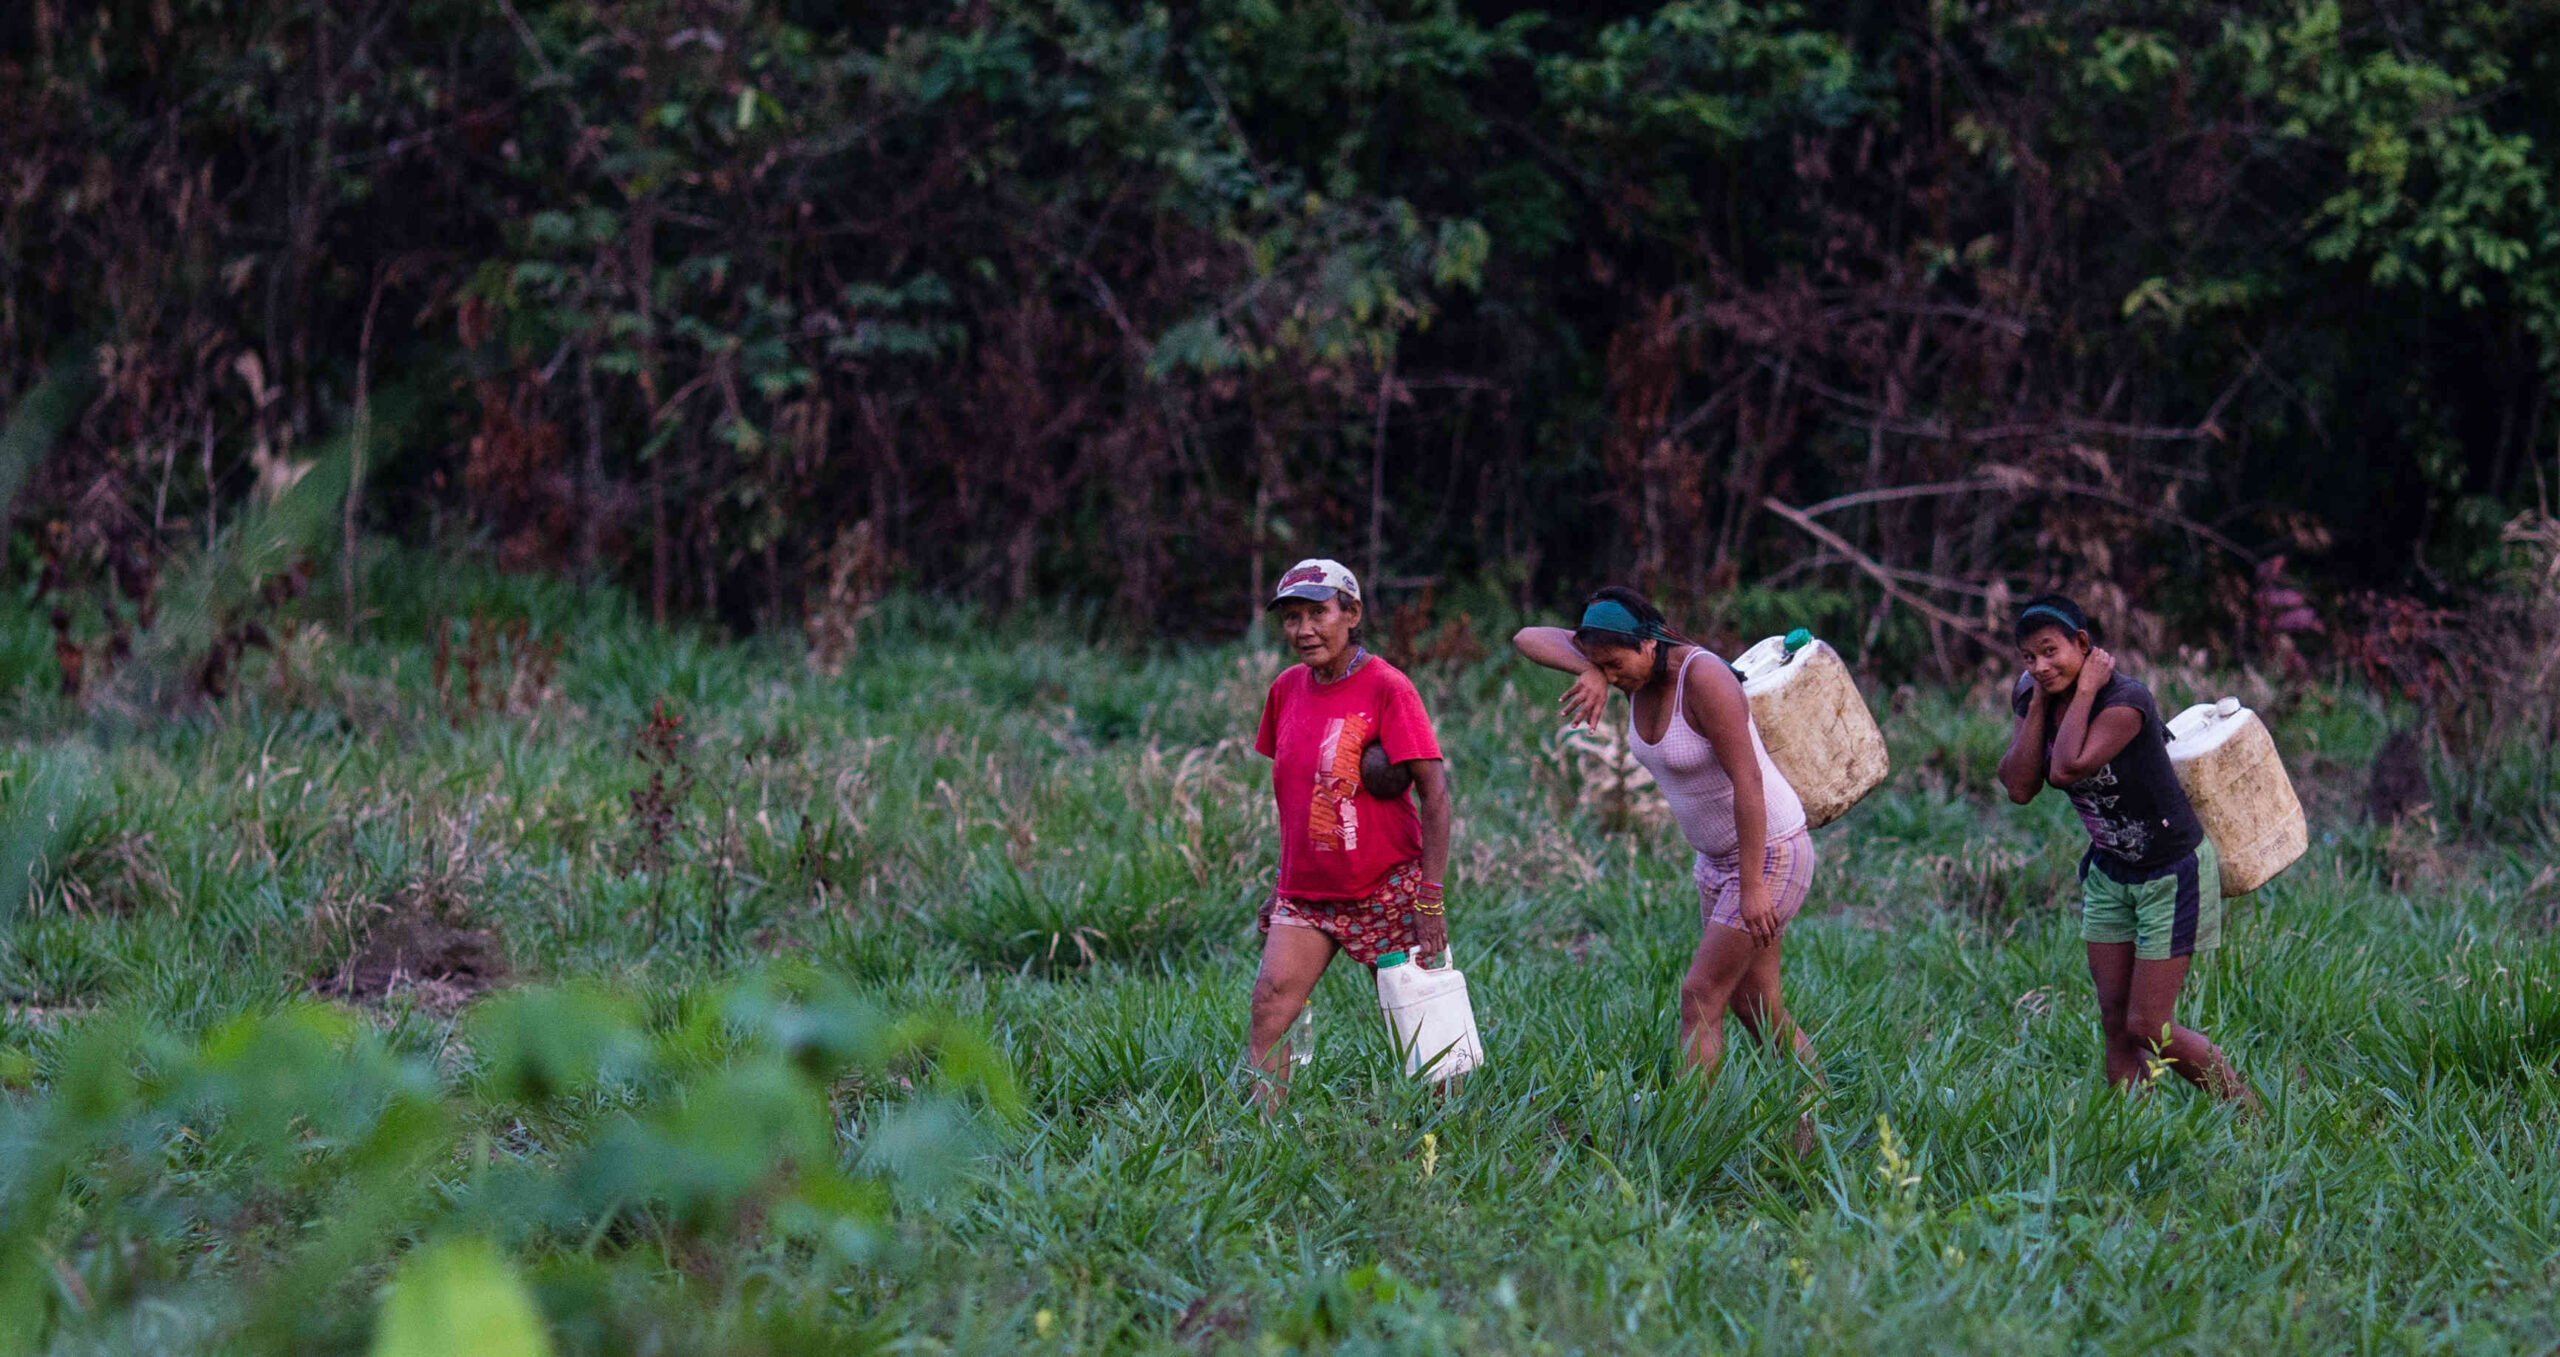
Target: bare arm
[[1552, 647], [2023, 768], [2088, 737], [1720, 712], [1587, 700], [1431, 802], [2084, 745]]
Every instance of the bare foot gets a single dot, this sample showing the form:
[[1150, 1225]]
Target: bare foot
[[2252, 1107]]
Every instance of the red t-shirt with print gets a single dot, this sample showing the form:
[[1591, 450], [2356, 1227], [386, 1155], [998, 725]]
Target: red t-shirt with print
[[1337, 842]]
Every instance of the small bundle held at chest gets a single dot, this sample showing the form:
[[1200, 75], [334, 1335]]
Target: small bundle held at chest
[[1382, 777]]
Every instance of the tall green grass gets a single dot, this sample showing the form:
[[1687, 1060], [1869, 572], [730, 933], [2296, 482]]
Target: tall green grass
[[1059, 847]]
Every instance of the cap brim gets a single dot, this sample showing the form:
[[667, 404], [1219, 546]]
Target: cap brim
[[1304, 593]]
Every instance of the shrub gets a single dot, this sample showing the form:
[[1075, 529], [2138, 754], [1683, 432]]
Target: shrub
[[274, 1171]]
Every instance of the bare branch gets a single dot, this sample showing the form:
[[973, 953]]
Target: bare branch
[[2021, 481], [2156, 514], [1883, 576], [1704, 412], [2207, 428], [532, 45], [1851, 501], [1824, 560]]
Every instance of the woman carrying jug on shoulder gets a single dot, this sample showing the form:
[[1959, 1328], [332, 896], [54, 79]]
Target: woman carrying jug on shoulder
[[1691, 728], [2151, 889], [1359, 872]]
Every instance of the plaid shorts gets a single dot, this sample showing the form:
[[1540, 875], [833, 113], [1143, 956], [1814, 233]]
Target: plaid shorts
[[1364, 928], [1786, 864]]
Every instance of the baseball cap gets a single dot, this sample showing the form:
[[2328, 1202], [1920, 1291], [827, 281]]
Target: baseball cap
[[1315, 579]]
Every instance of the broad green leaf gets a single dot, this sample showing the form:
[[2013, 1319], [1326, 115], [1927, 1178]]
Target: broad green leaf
[[459, 1296]]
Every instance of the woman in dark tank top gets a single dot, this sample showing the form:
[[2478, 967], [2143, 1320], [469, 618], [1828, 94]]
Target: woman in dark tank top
[[2151, 890]]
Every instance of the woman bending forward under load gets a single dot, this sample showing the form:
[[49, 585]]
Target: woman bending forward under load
[[1690, 727]]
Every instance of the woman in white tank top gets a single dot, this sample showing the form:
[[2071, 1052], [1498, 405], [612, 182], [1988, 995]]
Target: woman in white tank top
[[1690, 727]]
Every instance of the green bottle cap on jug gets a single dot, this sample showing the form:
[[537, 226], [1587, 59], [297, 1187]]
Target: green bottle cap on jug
[[1798, 640], [1386, 959]]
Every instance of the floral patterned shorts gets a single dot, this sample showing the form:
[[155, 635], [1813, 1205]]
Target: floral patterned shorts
[[1364, 928]]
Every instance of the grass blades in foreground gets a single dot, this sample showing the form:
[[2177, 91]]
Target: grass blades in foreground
[[1060, 846]]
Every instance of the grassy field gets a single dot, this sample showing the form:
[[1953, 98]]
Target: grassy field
[[807, 892]]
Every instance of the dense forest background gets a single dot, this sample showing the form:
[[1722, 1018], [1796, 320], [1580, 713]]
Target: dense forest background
[[2236, 317]]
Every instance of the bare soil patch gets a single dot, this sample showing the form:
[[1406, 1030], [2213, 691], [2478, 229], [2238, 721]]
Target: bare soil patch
[[439, 965]]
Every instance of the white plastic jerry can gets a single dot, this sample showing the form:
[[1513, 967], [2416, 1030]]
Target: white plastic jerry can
[[2233, 776], [1428, 1014], [1813, 722]]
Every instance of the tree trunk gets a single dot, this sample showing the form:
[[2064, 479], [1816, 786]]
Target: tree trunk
[[591, 465], [1378, 474], [641, 273], [350, 572], [212, 502], [706, 538], [1266, 473], [310, 205]]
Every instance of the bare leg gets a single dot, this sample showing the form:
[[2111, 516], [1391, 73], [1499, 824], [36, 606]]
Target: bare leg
[[2111, 971], [1293, 959], [1723, 960], [1761, 1006], [1762, 1009], [2150, 1023]]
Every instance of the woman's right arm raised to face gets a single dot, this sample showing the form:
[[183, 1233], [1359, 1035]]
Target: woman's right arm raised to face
[[1552, 647], [1587, 701]]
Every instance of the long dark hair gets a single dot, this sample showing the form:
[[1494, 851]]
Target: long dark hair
[[2053, 610], [1657, 628]]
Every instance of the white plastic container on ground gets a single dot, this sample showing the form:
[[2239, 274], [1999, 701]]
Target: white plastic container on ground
[[2228, 763], [1428, 1014], [1814, 721]]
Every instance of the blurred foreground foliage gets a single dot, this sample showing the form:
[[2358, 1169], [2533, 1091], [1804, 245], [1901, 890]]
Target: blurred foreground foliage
[[716, 1171]]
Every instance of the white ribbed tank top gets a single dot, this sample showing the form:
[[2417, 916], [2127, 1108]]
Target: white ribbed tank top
[[1684, 765]]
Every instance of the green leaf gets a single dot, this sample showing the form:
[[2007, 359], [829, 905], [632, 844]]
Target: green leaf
[[547, 1042], [459, 1295], [1459, 258], [1196, 344]]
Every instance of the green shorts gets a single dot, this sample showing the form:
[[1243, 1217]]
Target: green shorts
[[2177, 913]]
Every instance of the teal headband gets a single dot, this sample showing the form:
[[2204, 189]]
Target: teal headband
[[1610, 615], [2069, 623]]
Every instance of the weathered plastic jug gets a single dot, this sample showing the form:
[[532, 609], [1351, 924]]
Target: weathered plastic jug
[[1428, 1014], [1815, 724], [2228, 763]]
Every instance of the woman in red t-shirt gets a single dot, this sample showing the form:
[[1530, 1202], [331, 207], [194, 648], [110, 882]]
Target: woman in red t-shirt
[[1358, 873]]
